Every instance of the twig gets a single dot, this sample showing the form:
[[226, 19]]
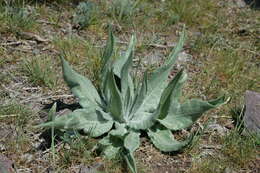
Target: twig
[[211, 147], [30, 88], [58, 96], [216, 117], [16, 43], [21, 50], [46, 98], [46, 22], [252, 52], [32, 36], [11, 115], [152, 45]]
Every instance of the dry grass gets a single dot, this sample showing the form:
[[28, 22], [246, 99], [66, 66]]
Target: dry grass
[[223, 43]]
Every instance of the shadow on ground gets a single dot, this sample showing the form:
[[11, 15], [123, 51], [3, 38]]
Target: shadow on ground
[[255, 4]]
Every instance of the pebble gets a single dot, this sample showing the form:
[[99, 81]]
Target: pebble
[[27, 157]]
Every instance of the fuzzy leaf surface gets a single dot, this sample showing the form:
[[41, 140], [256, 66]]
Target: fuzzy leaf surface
[[132, 141], [120, 62], [130, 160], [107, 63], [87, 120], [127, 85], [163, 139], [170, 93], [111, 152], [80, 86], [115, 103], [158, 82], [184, 115]]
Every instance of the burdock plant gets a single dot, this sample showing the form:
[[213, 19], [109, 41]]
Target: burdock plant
[[120, 109]]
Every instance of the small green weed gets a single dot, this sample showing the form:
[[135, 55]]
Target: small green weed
[[81, 53], [230, 64], [188, 11], [15, 113], [209, 165], [239, 149], [123, 10], [16, 19], [40, 71], [2, 62], [79, 152], [4, 78], [72, 47], [93, 64], [237, 152]]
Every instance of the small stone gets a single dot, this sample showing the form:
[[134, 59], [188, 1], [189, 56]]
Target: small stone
[[27, 157], [6, 165], [240, 3], [229, 170], [92, 169], [206, 153], [2, 147], [237, 3], [218, 128], [252, 114], [184, 57], [153, 58]]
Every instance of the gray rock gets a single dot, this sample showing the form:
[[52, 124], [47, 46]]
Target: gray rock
[[229, 170], [236, 3], [184, 57], [2, 147], [252, 114], [208, 150], [6, 165], [92, 169], [153, 58], [27, 157], [240, 3], [255, 4], [218, 128]]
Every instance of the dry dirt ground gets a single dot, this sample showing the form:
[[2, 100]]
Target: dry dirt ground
[[221, 56]]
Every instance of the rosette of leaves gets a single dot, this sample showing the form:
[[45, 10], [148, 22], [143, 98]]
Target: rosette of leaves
[[121, 109], [19, 18], [85, 14]]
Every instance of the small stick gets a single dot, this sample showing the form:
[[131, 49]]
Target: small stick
[[11, 115], [16, 43]]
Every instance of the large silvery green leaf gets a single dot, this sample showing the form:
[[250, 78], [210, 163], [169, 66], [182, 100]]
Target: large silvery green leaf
[[80, 86], [158, 81], [108, 52], [139, 95], [170, 93], [106, 63], [87, 120], [130, 160], [111, 152], [132, 141], [120, 62], [112, 144], [163, 139], [147, 119], [115, 101], [184, 115], [127, 85], [142, 121], [119, 131]]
